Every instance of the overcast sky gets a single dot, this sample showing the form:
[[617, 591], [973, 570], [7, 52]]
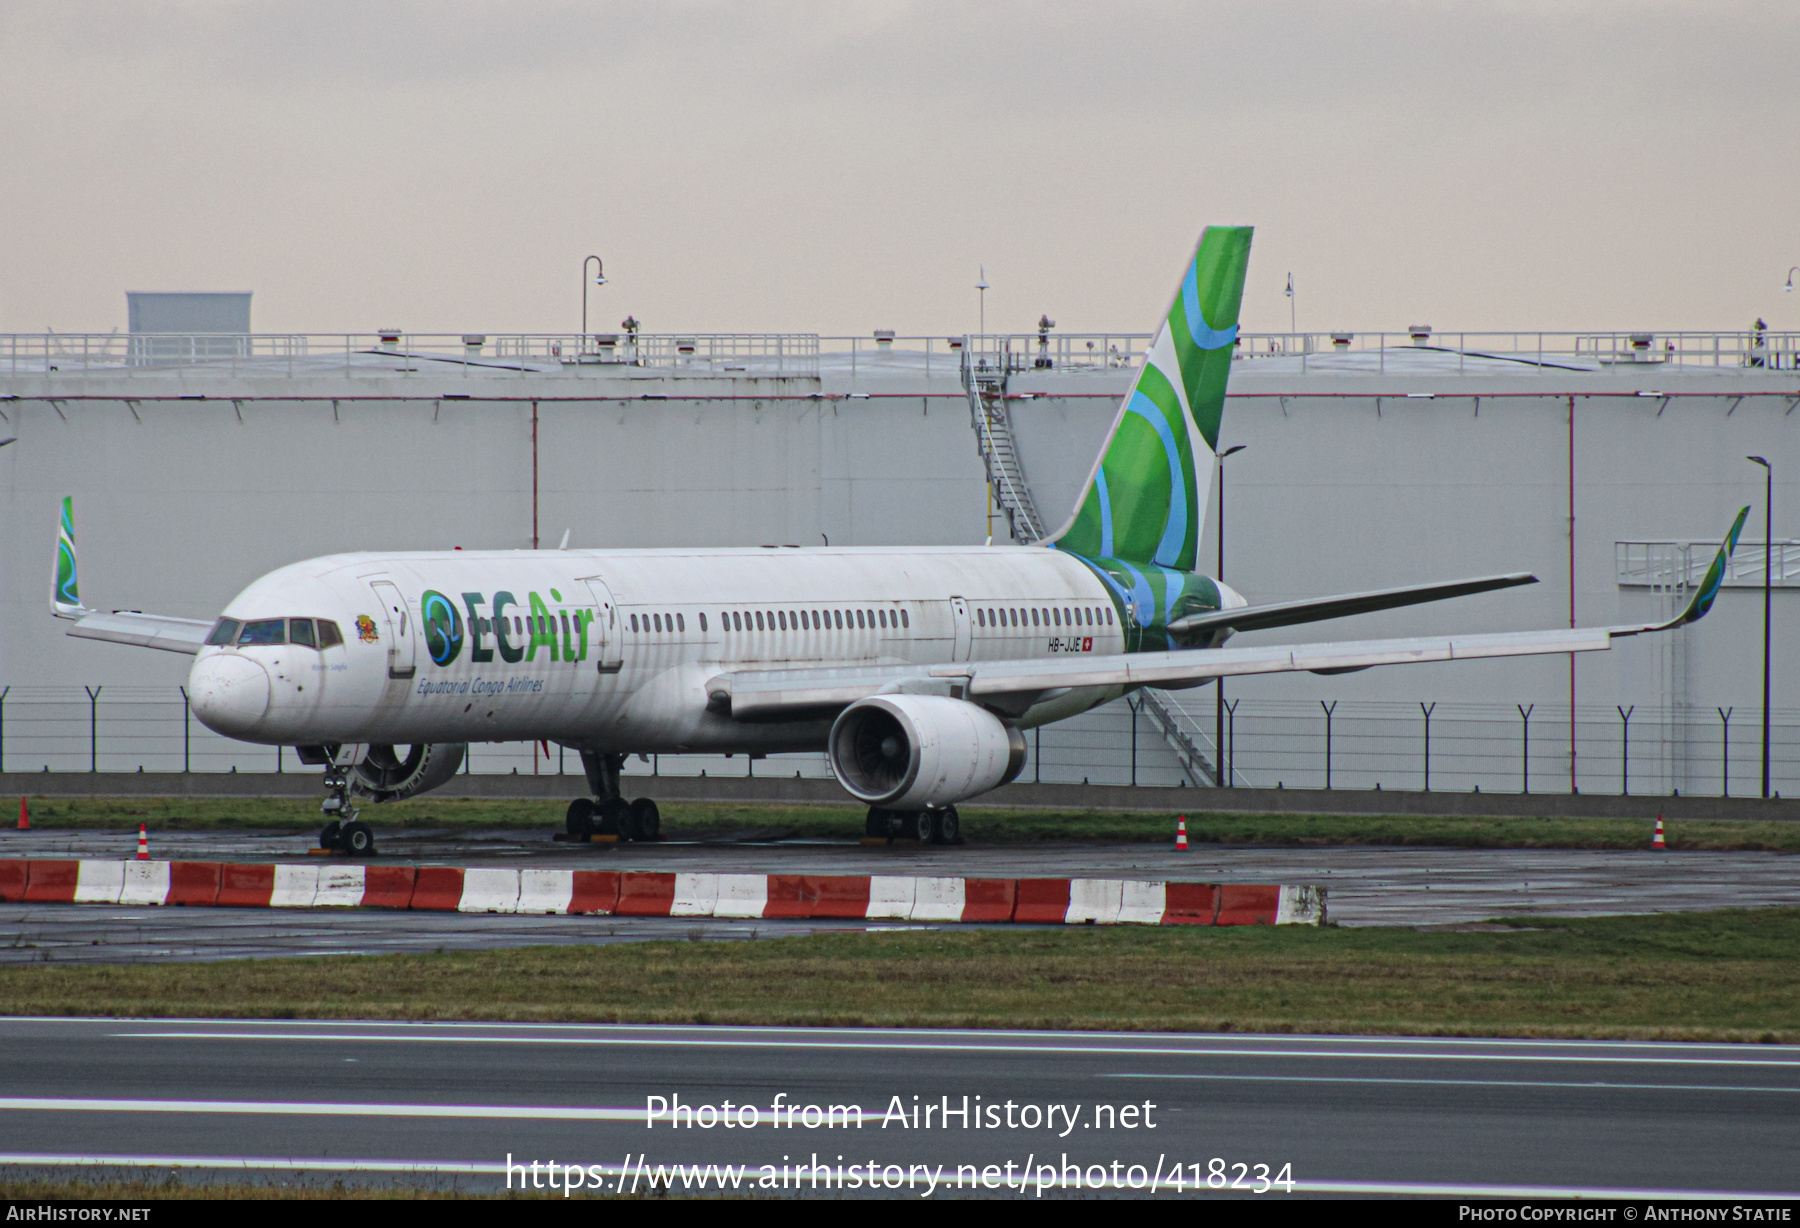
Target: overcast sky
[[840, 167]]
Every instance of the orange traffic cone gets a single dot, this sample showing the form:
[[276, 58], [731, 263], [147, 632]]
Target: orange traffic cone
[[1656, 842], [24, 816], [1181, 834], [143, 844]]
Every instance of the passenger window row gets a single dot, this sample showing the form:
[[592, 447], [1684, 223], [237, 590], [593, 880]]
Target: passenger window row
[[815, 620], [1046, 616], [306, 632], [661, 623], [539, 624]]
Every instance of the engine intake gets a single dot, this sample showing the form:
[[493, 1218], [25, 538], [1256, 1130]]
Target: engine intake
[[384, 775], [914, 752]]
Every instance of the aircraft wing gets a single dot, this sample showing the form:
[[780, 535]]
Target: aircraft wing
[[186, 635], [1013, 685], [1316, 609], [1016, 684]]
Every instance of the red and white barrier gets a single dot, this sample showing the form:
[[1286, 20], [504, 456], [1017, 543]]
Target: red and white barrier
[[489, 891], [144, 882], [13, 875], [890, 898], [545, 891], [742, 895], [1039, 901]]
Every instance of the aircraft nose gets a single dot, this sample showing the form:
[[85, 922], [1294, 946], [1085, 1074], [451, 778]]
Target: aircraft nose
[[229, 694]]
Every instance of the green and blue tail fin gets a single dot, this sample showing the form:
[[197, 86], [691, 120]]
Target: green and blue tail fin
[[1145, 501], [65, 587]]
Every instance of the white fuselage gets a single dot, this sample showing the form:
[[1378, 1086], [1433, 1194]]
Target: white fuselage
[[613, 650]]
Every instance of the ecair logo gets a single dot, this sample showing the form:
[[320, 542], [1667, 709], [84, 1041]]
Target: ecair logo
[[515, 630]]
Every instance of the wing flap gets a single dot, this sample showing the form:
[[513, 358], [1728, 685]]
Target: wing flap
[[184, 635]]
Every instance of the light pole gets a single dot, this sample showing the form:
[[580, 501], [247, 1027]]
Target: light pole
[[1768, 591], [1222, 780], [599, 280], [981, 284], [1293, 317], [1790, 285]]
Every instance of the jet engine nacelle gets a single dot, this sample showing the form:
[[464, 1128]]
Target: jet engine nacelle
[[913, 752], [385, 775]]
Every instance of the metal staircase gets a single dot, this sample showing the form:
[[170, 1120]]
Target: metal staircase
[[985, 381], [1166, 717], [984, 378]]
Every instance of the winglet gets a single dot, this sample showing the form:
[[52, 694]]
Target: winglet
[[65, 588], [1714, 579]]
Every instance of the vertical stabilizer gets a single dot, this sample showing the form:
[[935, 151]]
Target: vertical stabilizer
[[1147, 496], [65, 589]]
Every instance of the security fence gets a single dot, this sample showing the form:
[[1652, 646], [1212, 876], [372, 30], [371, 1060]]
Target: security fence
[[1515, 748]]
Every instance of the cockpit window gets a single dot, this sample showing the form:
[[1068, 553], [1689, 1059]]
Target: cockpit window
[[300, 631], [329, 635], [264, 631], [224, 631]]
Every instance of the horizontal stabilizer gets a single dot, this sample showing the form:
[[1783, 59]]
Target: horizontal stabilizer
[[187, 635], [1317, 609]]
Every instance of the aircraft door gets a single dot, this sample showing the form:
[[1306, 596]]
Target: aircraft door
[[402, 632], [959, 610], [609, 655]]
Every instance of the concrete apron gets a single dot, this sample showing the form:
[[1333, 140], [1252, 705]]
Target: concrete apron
[[1056, 797]]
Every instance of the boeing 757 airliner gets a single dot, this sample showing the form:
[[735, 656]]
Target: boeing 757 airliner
[[915, 670]]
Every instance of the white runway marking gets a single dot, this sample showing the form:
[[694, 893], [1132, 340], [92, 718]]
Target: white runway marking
[[308, 1108], [292, 1108], [1584, 1085]]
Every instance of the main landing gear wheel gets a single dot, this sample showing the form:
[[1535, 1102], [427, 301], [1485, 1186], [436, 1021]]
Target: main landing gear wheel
[[331, 835], [948, 827], [921, 825], [580, 820], [612, 817], [357, 839], [646, 820]]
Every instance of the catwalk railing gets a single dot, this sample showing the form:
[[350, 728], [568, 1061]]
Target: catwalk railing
[[1511, 748], [1679, 566], [782, 355]]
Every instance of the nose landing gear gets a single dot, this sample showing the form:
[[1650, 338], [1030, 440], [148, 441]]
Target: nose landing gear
[[344, 832]]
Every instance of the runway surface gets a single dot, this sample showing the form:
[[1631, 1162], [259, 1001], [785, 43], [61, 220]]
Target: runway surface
[[1367, 886], [448, 1103]]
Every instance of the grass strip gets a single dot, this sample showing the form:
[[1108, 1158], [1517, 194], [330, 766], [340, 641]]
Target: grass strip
[[1693, 976], [705, 820]]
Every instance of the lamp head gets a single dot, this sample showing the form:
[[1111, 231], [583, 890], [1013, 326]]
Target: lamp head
[[1760, 461], [1233, 450], [1790, 281]]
